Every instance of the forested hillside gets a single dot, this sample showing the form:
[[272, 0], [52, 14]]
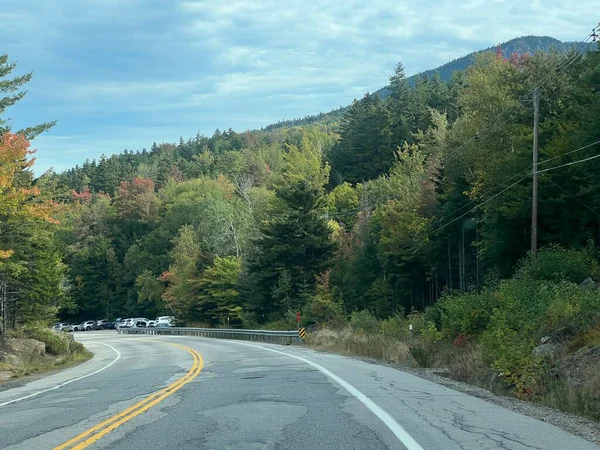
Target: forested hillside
[[403, 203]]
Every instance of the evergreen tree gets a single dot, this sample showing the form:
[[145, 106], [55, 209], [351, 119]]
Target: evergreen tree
[[297, 241], [10, 94], [366, 148]]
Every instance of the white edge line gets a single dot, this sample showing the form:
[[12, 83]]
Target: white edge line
[[70, 381], [402, 435]]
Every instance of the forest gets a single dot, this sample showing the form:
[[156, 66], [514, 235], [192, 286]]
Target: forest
[[409, 209], [417, 205], [401, 201]]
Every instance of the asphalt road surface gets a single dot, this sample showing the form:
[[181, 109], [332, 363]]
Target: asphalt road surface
[[151, 392]]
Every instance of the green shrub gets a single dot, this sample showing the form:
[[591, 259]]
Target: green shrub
[[467, 313], [430, 334], [56, 343], [526, 310], [556, 263], [421, 355], [364, 321], [323, 309], [278, 325], [395, 327], [77, 348]]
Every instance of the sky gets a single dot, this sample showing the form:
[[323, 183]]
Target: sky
[[122, 74]]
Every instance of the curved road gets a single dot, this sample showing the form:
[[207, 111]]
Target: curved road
[[147, 392]]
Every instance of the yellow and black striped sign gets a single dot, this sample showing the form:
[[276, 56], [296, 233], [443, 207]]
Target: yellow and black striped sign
[[302, 333]]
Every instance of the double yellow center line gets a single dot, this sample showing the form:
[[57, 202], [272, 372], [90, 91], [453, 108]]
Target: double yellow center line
[[95, 433]]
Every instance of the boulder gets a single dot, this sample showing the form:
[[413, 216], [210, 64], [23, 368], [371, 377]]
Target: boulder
[[27, 350], [547, 350]]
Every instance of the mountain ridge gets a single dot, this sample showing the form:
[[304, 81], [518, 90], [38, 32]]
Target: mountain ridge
[[520, 45]]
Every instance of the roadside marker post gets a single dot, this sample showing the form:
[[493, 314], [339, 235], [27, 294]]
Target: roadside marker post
[[302, 333], [298, 319]]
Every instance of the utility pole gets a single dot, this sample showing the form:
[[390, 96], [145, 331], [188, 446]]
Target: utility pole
[[534, 200]]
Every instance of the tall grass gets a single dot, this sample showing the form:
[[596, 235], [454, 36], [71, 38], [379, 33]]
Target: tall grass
[[348, 341]]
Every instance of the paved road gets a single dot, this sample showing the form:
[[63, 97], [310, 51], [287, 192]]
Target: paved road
[[149, 392]]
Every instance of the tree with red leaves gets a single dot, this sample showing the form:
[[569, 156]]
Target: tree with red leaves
[[136, 200]]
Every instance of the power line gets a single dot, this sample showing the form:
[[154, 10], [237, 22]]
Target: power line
[[570, 195], [566, 63], [568, 153], [489, 191], [570, 164], [468, 212], [495, 122]]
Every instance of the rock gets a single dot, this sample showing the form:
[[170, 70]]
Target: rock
[[5, 375], [27, 350], [588, 283], [581, 366], [548, 350], [545, 340], [11, 360]]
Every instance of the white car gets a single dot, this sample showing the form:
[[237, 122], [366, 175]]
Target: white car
[[59, 326], [139, 322], [89, 325], [170, 320]]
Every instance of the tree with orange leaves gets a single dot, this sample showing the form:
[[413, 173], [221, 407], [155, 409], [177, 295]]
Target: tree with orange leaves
[[29, 254], [19, 200]]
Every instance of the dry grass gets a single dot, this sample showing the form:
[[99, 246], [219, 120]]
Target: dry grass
[[466, 363], [349, 342], [581, 397]]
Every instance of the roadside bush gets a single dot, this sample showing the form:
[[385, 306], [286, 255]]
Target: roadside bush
[[527, 310], [364, 321], [77, 349], [556, 263], [323, 309], [395, 327], [467, 313], [277, 325]]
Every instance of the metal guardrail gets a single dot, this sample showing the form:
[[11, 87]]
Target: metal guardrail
[[278, 337]]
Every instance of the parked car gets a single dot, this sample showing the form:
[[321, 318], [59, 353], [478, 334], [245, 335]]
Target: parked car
[[68, 328], [166, 319], [139, 322], [103, 324], [59, 326], [89, 325], [163, 325], [151, 323], [78, 327]]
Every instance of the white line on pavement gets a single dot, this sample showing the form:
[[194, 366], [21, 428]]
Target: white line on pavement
[[70, 381], [402, 435]]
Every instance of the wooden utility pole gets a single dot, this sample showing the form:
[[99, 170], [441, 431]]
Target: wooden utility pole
[[534, 200]]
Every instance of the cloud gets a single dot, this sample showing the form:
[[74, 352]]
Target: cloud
[[115, 73]]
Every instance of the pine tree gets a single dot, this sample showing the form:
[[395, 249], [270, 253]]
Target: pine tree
[[365, 149], [298, 241], [10, 94]]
